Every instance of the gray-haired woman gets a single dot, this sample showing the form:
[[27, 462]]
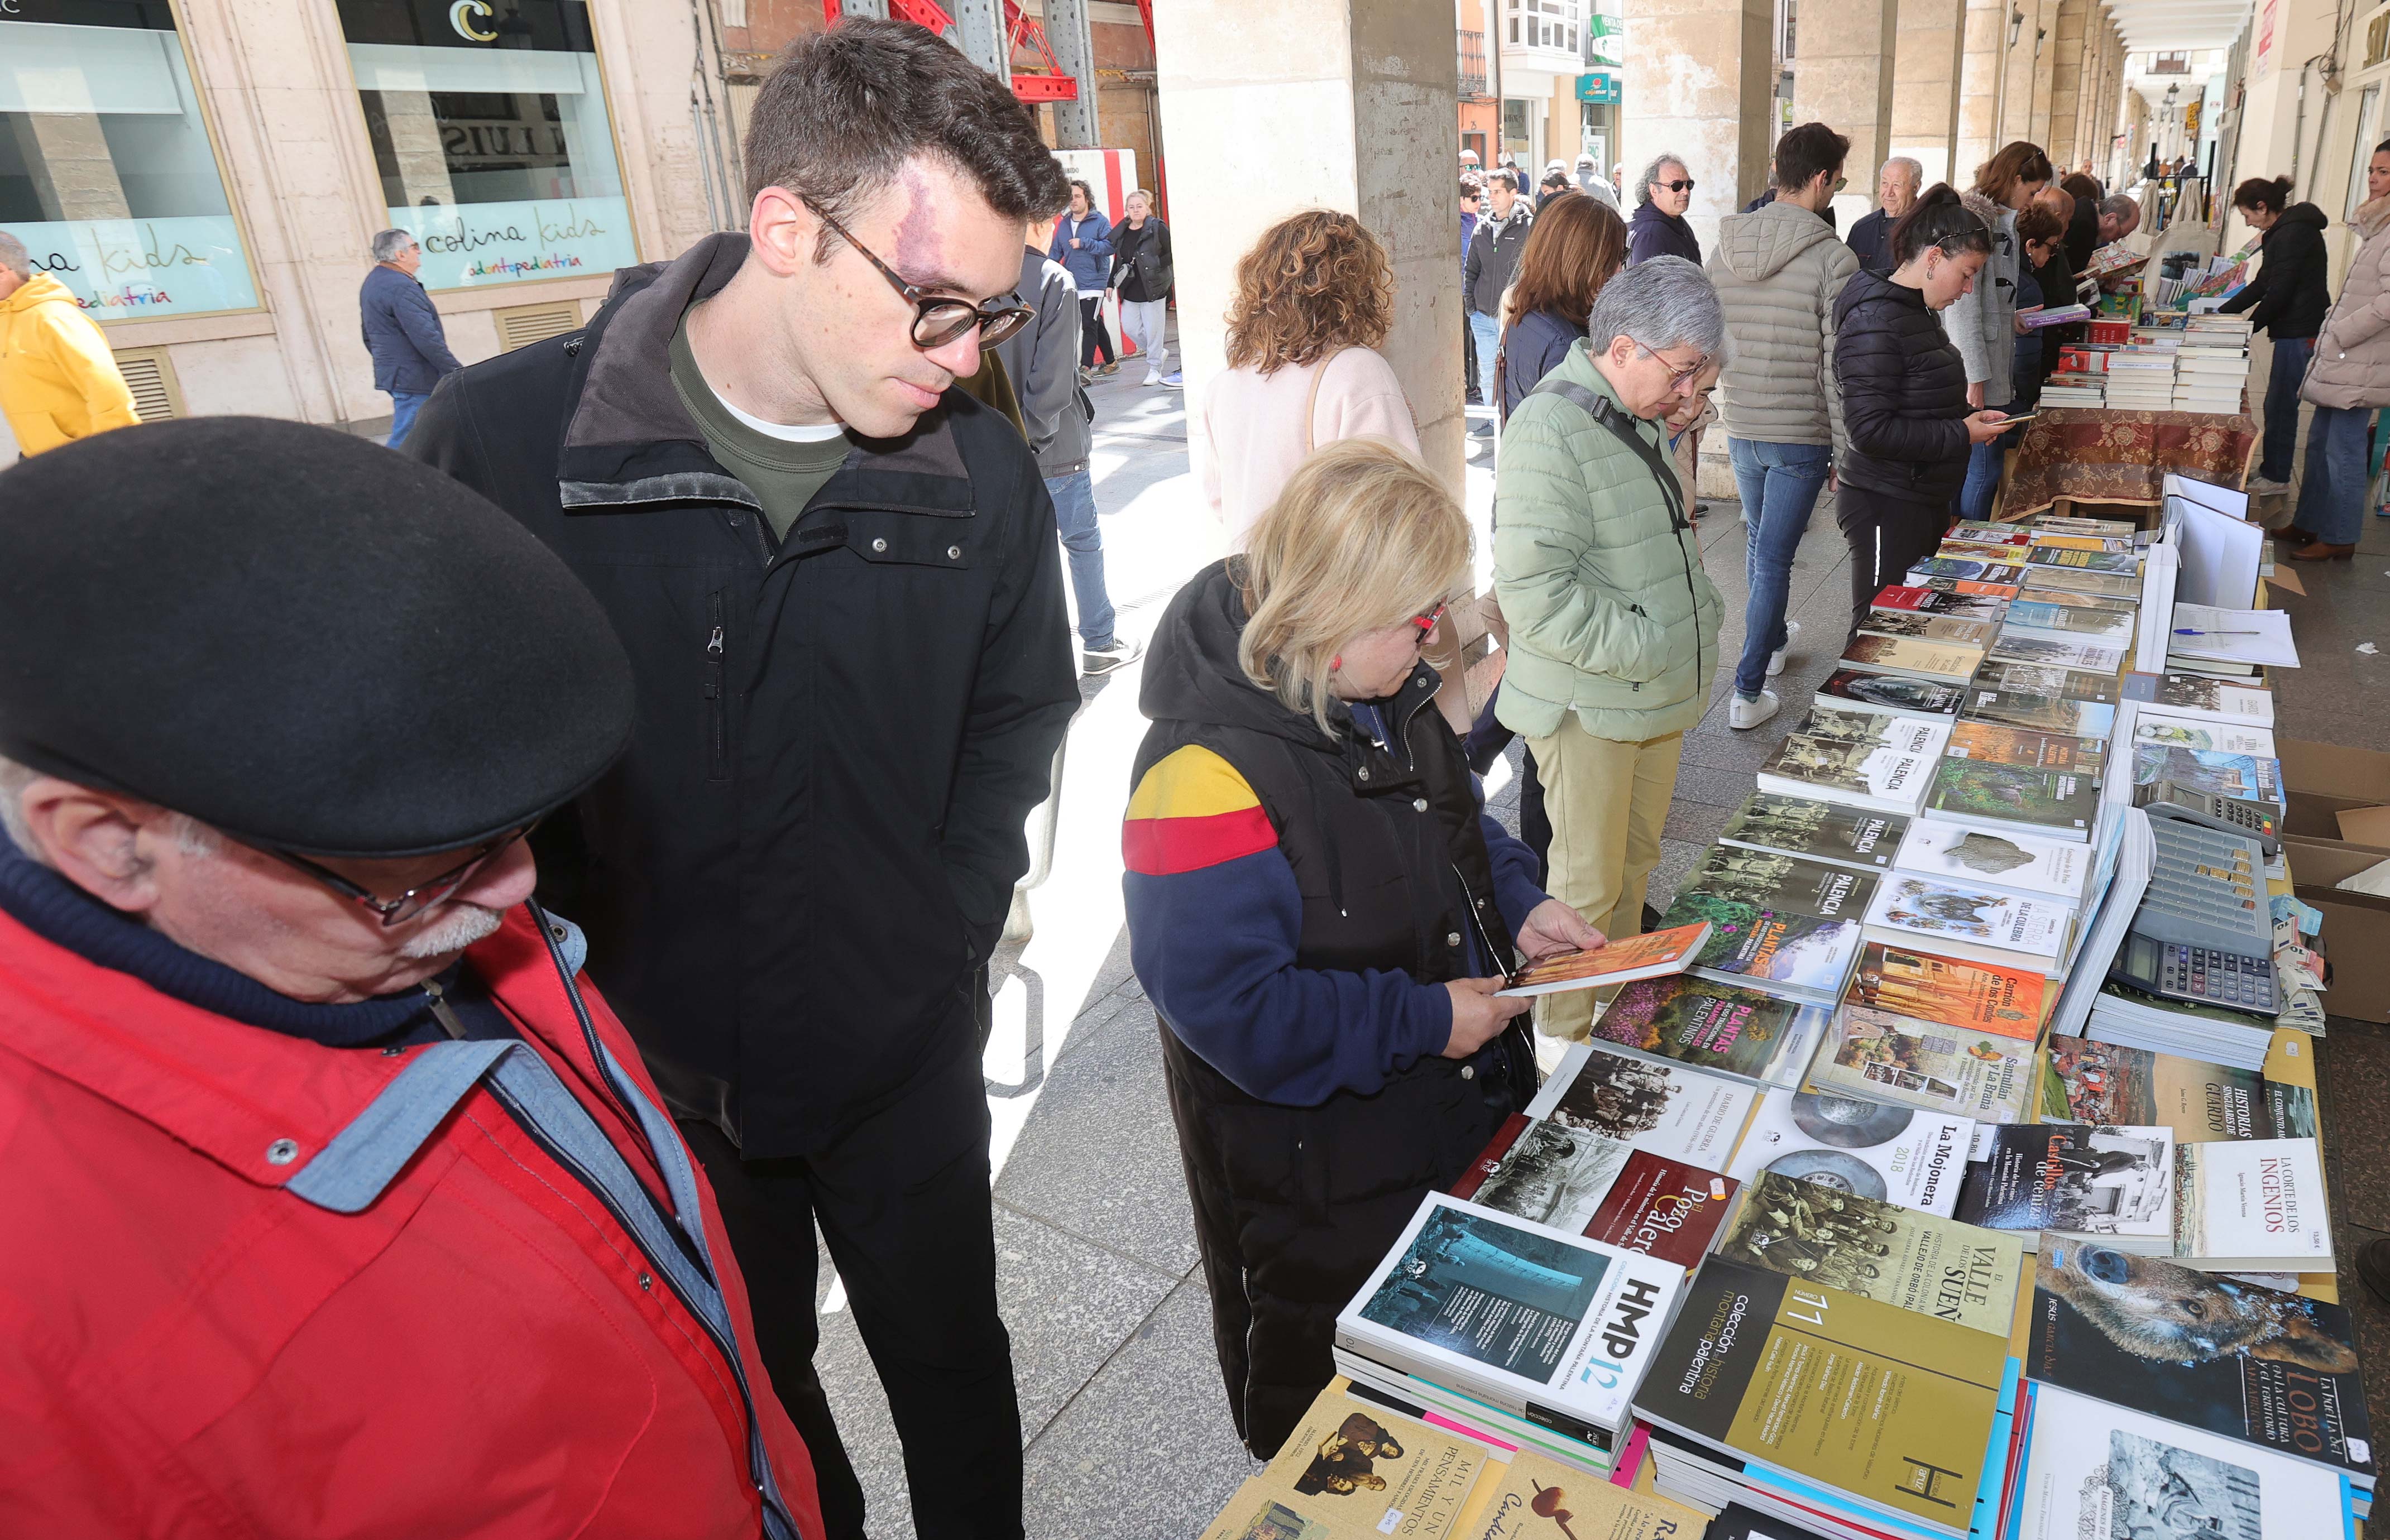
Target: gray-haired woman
[[1613, 624]]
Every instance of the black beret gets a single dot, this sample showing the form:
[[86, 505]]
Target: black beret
[[299, 637]]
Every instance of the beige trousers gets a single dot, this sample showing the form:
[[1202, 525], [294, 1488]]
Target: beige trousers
[[1607, 800]]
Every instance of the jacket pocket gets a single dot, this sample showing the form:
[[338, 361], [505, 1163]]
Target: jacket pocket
[[717, 705]]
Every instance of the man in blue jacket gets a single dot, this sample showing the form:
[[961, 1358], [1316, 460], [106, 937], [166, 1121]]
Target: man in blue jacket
[[1082, 244], [402, 330]]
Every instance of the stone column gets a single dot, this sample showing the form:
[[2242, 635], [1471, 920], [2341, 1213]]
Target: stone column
[[1982, 68], [2019, 75], [1301, 104], [1845, 78], [2069, 63], [1697, 86], [1931, 40]]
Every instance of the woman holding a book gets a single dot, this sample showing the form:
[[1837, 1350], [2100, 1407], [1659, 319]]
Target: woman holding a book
[[2348, 381], [1906, 408], [1983, 320], [1322, 912], [2286, 300]]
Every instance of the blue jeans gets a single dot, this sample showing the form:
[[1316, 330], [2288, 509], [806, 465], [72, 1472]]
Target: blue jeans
[[1074, 515], [403, 406], [1984, 463], [2290, 355], [2331, 499], [1779, 483], [1488, 332]]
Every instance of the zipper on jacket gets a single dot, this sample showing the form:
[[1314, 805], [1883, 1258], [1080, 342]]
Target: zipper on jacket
[[717, 709]]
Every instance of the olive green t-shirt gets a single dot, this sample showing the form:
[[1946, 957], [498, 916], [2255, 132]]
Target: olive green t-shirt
[[782, 473]]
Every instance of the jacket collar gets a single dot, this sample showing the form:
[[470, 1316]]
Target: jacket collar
[[630, 443], [2372, 215]]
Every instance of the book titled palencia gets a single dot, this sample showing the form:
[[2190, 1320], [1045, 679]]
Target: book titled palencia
[[1923, 1064], [1644, 956], [1958, 1273], [1547, 1326], [1949, 663], [1885, 771], [1970, 996], [2273, 1368], [1894, 1408], [1572, 1180], [1774, 919], [1715, 1025], [1982, 924], [1816, 830]]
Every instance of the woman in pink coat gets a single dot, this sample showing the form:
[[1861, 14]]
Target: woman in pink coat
[[2347, 381]]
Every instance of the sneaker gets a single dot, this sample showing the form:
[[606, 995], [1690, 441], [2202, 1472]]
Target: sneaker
[[1086, 376], [1174, 379], [1776, 658], [1744, 713], [1111, 368], [1117, 654], [1152, 377], [1483, 430], [2262, 486]]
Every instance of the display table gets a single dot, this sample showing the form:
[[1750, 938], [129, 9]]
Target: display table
[[2098, 455]]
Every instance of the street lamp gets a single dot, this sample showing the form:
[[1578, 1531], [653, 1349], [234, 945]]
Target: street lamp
[[2016, 24]]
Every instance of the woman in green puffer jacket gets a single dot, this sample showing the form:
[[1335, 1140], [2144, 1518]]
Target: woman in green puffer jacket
[[1613, 624]]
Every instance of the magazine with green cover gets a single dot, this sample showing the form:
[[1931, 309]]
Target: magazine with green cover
[[1918, 1262], [2088, 1082], [2032, 679], [2059, 803], [1816, 830], [1891, 1407]]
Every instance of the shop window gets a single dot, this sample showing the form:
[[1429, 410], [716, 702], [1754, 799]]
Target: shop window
[[489, 132], [106, 173]]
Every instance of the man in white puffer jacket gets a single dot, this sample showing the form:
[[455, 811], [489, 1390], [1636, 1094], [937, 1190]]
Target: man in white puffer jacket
[[1777, 269]]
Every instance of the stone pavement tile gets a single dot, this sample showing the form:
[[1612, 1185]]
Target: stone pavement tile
[[1722, 748], [1068, 1304], [1677, 859], [1100, 1157], [2369, 1314], [2353, 1073], [1147, 1450], [1697, 822], [1706, 783]]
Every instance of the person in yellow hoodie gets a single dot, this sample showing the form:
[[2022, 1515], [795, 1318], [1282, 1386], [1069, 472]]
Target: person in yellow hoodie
[[59, 382]]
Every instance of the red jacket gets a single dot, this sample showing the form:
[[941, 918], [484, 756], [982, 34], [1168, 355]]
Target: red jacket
[[188, 1349]]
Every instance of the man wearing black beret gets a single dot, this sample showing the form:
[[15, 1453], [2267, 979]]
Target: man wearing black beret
[[335, 1200], [838, 583]]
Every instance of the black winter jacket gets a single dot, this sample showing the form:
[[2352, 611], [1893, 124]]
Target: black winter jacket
[[1903, 392], [789, 877], [1871, 241], [1532, 349], [1141, 261], [2290, 291], [1294, 1205], [1651, 234], [1492, 258]]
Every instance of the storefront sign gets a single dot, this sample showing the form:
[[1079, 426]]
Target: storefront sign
[[136, 269], [1601, 89], [2269, 24], [472, 245]]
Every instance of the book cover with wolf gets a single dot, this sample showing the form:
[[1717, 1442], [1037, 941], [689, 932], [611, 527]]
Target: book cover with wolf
[[1958, 1273], [1894, 1407], [2201, 1349]]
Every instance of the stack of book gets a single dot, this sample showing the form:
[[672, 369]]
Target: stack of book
[[2212, 368], [2142, 379]]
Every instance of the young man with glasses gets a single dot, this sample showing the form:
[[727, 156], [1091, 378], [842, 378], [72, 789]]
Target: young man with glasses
[[838, 581]]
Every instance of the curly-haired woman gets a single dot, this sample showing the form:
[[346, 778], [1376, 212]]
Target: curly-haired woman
[[1315, 297]]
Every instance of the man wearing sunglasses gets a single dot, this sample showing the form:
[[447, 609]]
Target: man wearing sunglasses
[[336, 1200], [838, 581]]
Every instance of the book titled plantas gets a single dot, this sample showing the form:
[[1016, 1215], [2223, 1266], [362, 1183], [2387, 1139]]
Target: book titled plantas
[[2040, 650], [2039, 713], [2088, 1082], [1885, 771], [1970, 996], [1949, 663], [1993, 743], [1891, 1407], [1876, 1148], [2018, 863], [2032, 679], [1927, 1265], [1923, 1064], [1891, 693], [2059, 804], [1816, 830], [1971, 920], [1544, 1325], [1712, 1025], [2272, 1368]]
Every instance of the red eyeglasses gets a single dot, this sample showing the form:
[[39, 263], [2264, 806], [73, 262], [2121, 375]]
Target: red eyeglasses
[[1426, 621]]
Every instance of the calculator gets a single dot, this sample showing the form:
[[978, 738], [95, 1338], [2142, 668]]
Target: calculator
[[2207, 890], [2232, 814], [2203, 975]]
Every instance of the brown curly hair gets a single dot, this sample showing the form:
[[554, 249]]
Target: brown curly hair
[[1315, 282]]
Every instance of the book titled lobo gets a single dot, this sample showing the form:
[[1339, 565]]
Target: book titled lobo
[[1547, 1326]]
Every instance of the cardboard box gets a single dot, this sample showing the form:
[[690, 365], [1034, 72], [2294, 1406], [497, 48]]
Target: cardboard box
[[2320, 781], [2356, 926]]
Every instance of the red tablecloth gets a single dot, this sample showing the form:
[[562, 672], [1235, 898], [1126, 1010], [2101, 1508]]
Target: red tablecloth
[[2095, 455]]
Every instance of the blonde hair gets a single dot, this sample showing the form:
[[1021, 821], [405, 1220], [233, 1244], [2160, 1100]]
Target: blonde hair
[[1362, 537]]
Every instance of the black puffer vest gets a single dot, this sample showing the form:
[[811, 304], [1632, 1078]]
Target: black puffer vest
[[1294, 1205], [1903, 392]]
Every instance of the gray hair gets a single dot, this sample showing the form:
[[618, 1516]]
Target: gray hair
[[2117, 206], [1651, 174], [389, 243], [195, 838], [14, 257], [1664, 303], [1915, 169]]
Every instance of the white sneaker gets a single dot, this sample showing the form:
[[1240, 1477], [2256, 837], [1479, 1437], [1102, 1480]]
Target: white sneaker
[[2260, 486], [1152, 377], [1776, 658], [1751, 713]]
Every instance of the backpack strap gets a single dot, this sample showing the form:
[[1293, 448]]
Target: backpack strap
[[1622, 427], [1311, 402]]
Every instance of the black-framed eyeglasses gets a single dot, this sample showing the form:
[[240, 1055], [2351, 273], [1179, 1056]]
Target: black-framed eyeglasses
[[416, 900], [940, 318]]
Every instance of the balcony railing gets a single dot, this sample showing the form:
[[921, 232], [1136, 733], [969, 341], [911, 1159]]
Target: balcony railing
[[1473, 67]]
